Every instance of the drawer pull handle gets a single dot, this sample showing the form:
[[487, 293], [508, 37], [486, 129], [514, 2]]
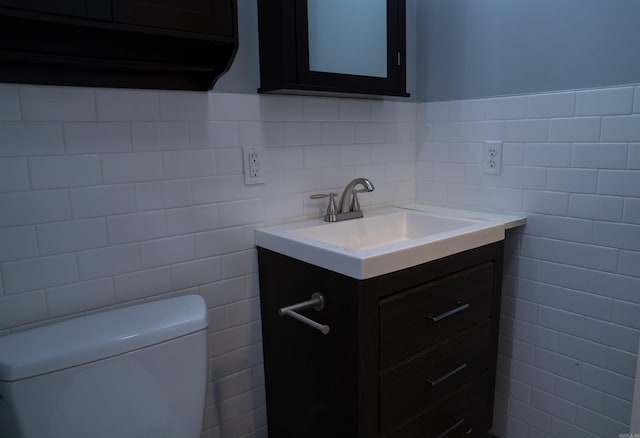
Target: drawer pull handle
[[444, 377], [317, 301], [453, 427], [449, 313]]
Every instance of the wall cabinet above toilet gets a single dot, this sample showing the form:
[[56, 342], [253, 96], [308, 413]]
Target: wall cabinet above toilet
[[165, 44]]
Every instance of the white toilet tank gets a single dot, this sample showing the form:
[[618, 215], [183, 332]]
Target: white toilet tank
[[137, 371]]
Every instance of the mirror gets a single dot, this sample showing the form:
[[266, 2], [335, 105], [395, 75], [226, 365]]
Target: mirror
[[348, 36]]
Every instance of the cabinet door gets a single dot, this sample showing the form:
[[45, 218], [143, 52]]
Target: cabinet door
[[96, 9], [348, 37], [353, 44], [202, 16]]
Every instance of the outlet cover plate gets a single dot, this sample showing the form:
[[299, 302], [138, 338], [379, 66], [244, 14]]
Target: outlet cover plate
[[492, 157], [253, 165]]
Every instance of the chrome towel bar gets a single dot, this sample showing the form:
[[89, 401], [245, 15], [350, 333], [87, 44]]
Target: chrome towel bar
[[317, 302]]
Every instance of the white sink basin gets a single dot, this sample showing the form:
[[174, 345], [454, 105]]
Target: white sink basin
[[385, 240], [385, 229]]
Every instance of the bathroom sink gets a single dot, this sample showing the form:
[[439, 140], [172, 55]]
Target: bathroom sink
[[385, 229], [386, 240]]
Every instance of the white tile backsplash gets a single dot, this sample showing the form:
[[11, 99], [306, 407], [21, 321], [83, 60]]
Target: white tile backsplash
[[216, 188], [131, 167], [185, 106], [370, 132], [235, 106], [127, 105], [320, 110], [571, 289], [14, 175], [547, 155], [355, 110], [607, 101], [23, 309], [338, 133], [599, 155], [113, 196], [197, 272], [80, 297], [616, 408], [574, 129], [228, 161], [620, 183], [86, 138], [634, 156], [20, 208], [109, 261], [506, 108], [49, 271], [17, 243], [143, 284], [203, 135], [9, 103], [572, 180], [64, 171], [629, 263], [321, 156], [163, 194], [166, 251], [31, 138], [596, 207], [302, 133], [152, 136], [136, 227], [70, 236], [531, 130], [621, 128], [545, 202], [57, 103], [102, 200], [236, 213], [192, 219], [217, 242], [181, 164], [551, 105]]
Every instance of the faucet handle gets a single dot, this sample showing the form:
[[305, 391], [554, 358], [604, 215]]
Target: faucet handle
[[355, 204], [332, 212]]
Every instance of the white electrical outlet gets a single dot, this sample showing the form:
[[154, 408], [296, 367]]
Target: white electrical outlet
[[492, 157], [252, 164]]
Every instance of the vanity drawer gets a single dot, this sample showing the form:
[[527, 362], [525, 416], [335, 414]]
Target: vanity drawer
[[413, 386], [465, 413], [422, 316]]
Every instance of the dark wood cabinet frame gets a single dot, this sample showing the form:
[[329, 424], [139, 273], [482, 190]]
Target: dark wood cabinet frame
[[284, 55], [82, 43]]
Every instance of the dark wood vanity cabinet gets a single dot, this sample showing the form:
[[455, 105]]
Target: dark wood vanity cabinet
[[164, 44], [410, 354]]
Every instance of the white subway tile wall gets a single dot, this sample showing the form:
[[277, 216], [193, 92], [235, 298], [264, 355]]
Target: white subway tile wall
[[112, 197], [569, 328]]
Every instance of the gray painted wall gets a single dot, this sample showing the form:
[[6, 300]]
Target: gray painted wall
[[481, 48], [244, 74]]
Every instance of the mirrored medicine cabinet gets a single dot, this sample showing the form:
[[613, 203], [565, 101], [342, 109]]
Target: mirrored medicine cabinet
[[333, 47]]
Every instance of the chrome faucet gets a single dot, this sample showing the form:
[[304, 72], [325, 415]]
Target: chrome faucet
[[348, 206]]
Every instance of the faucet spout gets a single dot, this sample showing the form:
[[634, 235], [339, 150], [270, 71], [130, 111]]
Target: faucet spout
[[348, 200]]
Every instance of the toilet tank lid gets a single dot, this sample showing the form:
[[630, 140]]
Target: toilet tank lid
[[97, 336]]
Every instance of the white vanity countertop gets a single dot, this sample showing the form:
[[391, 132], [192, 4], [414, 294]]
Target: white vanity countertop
[[386, 239], [508, 221]]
